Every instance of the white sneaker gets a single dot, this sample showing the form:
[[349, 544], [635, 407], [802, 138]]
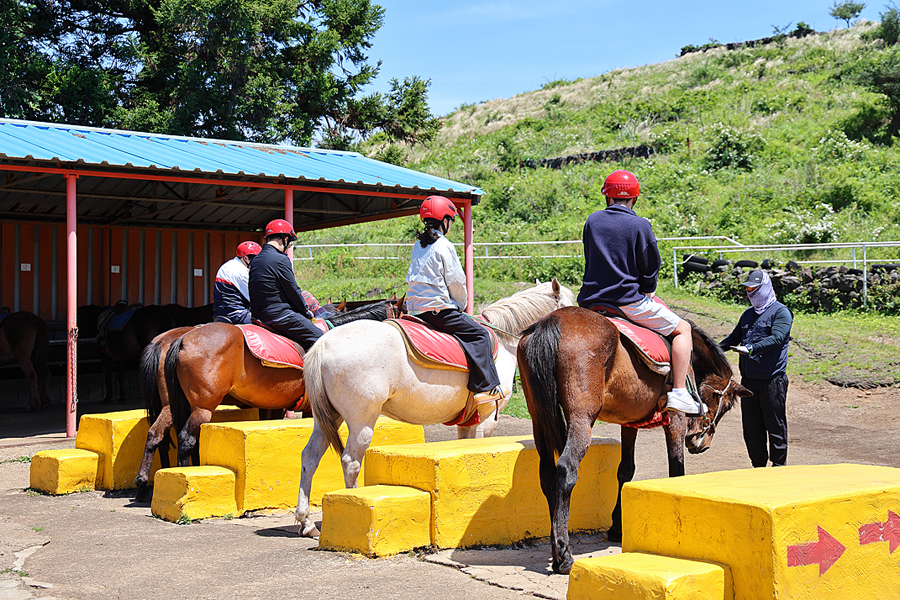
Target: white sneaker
[[679, 400]]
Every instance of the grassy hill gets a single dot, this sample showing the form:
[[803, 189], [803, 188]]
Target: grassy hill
[[779, 143]]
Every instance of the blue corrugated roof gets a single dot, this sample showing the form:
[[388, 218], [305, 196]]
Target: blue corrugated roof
[[107, 147]]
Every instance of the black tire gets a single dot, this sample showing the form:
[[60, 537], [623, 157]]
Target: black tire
[[692, 267], [693, 258], [854, 272], [768, 264], [886, 268], [747, 264], [722, 262]]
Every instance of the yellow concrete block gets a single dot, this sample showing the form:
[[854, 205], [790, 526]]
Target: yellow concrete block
[[487, 491], [194, 493], [266, 456], [639, 576], [379, 520], [807, 532], [64, 471], [119, 438], [224, 413]]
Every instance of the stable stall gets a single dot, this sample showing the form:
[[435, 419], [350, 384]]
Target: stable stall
[[94, 216]]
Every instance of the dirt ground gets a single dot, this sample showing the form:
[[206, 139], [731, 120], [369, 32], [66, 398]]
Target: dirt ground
[[103, 545]]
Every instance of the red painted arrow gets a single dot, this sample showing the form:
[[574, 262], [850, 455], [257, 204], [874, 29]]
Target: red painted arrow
[[824, 552], [888, 531]]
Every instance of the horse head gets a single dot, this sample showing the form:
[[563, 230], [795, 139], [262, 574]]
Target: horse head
[[717, 390], [397, 308]]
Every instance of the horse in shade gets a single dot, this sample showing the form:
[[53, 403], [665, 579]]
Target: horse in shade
[[575, 369], [24, 339]]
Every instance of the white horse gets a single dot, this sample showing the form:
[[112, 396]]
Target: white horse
[[361, 370]]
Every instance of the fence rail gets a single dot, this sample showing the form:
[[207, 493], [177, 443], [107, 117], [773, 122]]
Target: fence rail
[[306, 250], [865, 261]]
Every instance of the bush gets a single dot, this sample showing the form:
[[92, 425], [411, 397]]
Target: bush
[[731, 148]]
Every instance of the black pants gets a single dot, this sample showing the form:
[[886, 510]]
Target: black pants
[[296, 327], [476, 344], [763, 416]]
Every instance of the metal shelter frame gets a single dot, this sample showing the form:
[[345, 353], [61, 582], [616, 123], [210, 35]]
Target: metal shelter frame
[[406, 195]]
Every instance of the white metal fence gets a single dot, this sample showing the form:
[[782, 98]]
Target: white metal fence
[[853, 253], [847, 255], [483, 250]]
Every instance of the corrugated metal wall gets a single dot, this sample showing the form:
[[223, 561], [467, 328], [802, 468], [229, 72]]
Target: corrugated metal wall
[[150, 266]]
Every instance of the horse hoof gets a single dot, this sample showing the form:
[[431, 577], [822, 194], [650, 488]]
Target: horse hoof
[[565, 567], [144, 493], [310, 531]]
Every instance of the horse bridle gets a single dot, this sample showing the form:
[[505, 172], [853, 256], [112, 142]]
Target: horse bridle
[[707, 425]]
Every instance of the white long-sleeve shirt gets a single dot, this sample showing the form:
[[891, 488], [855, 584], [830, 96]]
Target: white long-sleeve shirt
[[436, 278]]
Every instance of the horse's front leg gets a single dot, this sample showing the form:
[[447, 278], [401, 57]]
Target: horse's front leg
[[623, 475], [577, 443], [357, 443], [158, 432], [675, 432], [312, 454]]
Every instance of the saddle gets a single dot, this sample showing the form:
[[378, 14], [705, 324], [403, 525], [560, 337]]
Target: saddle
[[271, 349], [438, 350], [274, 350], [114, 319], [654, 350]]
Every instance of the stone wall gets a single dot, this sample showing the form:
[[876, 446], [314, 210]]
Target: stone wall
[[823, 289]]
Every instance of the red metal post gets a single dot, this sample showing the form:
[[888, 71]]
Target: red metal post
[[469, 255], [71, 307], [289, 206]]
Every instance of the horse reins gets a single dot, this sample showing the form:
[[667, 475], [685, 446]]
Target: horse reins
[[708, 426]]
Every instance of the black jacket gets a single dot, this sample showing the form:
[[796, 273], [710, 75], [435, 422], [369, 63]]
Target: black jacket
[[274, 292]]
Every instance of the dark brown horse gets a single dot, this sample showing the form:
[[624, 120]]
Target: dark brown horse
[[575, 370], [122, 347], [211, 362], [24, 339]]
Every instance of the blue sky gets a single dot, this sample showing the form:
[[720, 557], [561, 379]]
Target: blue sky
[[475, 51]]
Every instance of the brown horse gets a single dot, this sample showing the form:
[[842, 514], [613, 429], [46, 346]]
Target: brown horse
[[24, 339], [156, 401], [212, 361], [575, 370]]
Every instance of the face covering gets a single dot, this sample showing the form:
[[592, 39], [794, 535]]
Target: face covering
[[763, 296]]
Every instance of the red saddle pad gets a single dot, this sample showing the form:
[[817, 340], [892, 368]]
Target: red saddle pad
[[435, 346], [649, 342], [274, 350]]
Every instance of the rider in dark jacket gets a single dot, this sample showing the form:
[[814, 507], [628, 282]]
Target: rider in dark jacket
[[275, 298]]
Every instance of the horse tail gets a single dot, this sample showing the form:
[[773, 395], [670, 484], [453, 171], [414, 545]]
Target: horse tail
[[148, 370], [539, 345], [178, 402], [322, 410]]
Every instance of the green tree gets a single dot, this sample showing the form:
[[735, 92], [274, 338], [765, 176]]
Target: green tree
[[846, 10], [259, 70]]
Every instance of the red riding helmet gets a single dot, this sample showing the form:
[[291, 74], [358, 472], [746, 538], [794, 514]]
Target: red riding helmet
[[248, 248], [621, 184], [437, 207], [281, 226]]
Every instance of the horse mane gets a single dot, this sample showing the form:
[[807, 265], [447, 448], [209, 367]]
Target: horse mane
[[720, 362], [515, 313], [374, 312]]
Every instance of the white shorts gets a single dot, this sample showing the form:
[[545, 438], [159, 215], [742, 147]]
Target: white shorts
[[651, 314]]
